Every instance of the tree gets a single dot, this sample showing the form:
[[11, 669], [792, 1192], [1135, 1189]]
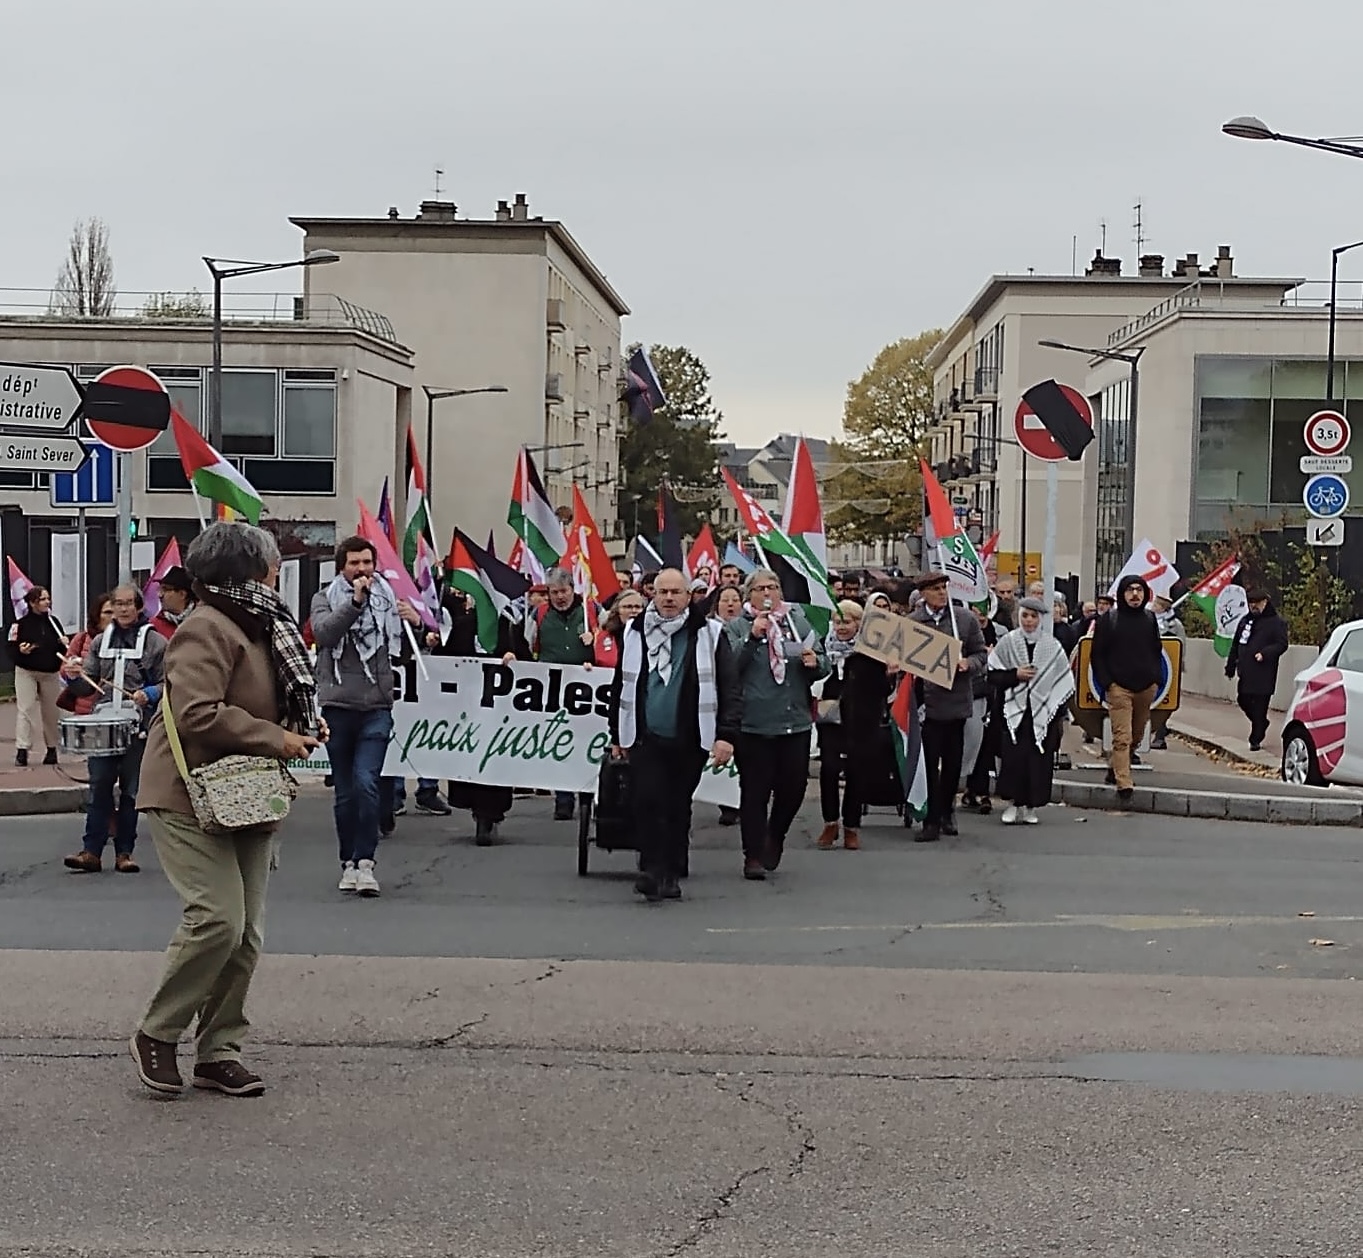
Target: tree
[[190, 305], [677, 444], [875, 491], [85, 283]]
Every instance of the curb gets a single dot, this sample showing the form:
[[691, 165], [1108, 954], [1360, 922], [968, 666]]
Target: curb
[[1205, 742], [41, 800], [1214, 805]]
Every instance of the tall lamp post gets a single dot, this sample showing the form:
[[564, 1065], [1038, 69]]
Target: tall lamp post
[[226, 269], [432, 397], [1248, 127], [1334, 287]]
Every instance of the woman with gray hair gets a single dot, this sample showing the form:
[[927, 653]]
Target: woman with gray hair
[[239, 681]]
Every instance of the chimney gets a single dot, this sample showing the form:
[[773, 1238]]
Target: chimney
[[1152, 265], [1225, 264], [503, 212], [392, 211], [437, 211], [520, 211], [1103, 266]]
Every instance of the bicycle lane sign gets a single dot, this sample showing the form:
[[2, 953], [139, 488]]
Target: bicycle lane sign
[[1326, 495]]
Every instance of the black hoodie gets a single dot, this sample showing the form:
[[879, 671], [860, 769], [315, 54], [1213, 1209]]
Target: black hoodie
[[1127, 651]]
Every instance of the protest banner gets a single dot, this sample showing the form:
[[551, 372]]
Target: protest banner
[[914, 647], [522, 725]]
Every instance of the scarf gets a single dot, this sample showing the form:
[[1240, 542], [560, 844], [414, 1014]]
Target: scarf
[[377, 626], [632, 663], [291, 659], [780, 628], [658, 634], [1047, 693], [838, 651]]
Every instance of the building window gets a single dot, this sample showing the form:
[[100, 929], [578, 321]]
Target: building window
[[248, 412], [1114, 434], [309, 421]]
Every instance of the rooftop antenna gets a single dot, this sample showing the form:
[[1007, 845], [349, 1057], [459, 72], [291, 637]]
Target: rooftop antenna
[[439, 175], [1138, 225], [1074, 255], [1102, 229]]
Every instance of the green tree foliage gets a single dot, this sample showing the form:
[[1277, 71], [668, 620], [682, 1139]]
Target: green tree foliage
[[678, 445], [190, 305], [884, 418]]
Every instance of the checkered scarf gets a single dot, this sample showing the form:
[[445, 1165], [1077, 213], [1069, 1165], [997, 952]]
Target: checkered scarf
[[290, 656]]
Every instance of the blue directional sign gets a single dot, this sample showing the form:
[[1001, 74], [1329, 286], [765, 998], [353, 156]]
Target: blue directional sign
[[95, 485]]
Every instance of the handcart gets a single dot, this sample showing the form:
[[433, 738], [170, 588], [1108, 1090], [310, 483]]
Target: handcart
[[611, 812]]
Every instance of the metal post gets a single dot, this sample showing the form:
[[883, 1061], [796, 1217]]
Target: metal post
[[1330, 351], [1022, 541], [1129, 504], [1048, 545], [215, 382], [82, 584], [125, 516], [430, 452]]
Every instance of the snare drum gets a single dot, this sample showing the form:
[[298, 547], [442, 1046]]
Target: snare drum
[[99, 734]]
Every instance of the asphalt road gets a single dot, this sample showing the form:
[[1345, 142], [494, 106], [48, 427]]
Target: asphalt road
[[1108, 1036]]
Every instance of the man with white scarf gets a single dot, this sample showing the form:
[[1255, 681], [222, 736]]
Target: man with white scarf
[[357, 625], [674, 705]]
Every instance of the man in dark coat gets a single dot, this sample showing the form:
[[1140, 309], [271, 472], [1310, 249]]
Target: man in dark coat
[[1260, 642], [1127, 661]]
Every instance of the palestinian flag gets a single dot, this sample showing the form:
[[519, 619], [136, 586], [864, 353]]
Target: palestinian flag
[[908, 750], [803, 579], [385, 516], [418, 510], [669, 530], [643, 393], [531, 516], [211, 475], [491, 585], [803, 516], [1222, 602]]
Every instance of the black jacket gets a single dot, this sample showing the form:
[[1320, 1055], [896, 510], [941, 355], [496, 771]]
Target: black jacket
[[463, 639], [1262, 634], [45, 632], [728, 687], [1127, 650], [863, 692]]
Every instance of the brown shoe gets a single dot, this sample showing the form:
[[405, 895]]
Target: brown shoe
[[84, 863], [752, 869], [851, 840], [125, 864], [828, 836], [228, 1077], [156, 1063], [771, 858]]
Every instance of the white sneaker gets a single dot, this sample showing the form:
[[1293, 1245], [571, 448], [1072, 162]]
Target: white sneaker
[[365, 882], [1010, 815], [1029, 817], [348, 876]]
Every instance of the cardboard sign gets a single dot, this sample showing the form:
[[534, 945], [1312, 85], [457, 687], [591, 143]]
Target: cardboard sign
[[915, 647]]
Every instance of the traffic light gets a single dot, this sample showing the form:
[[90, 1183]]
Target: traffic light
[[133, 529]]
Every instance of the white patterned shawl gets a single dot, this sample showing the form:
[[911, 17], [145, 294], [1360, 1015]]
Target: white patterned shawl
[[1046, 694]]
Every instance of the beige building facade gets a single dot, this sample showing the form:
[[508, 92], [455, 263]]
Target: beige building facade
[[992, 354], [511, 301]]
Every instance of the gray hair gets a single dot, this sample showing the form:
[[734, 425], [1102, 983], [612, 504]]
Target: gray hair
[[228, 554], [757, 574], [557, 578]]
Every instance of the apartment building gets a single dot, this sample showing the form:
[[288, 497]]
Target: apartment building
[[511, 302], [993, 352], [315, 401]]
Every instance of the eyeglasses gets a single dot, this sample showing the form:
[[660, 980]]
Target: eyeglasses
[[124, 602], [766, 585]]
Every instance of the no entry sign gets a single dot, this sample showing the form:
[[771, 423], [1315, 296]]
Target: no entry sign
[[126, 408], [1033, 435]]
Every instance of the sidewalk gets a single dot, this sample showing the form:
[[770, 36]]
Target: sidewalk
[[1223, 728], [39, 788]]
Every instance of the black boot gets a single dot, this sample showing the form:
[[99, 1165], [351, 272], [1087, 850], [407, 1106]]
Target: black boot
[[51, 757], [21, 758], [484, 832]]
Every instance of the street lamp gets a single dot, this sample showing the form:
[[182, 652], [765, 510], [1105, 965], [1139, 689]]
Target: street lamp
[[1133, 360], [226, 269], [1248, 127], [432, 397], [1330, 351]]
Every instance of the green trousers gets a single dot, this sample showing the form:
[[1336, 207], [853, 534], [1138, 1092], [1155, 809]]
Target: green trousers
[[222, 879]]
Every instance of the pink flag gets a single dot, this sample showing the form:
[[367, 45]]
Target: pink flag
[[151, 592], [425, 577], [19, 585], [390, 566]]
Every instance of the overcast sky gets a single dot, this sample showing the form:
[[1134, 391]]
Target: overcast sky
[[782, 185]]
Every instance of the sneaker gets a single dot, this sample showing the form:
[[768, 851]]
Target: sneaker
[[1029, 817], [228, 1077], [1158, 744], [828, 837], [21, 758], [1110, 778], [429, 804], [400, 810], [156, 1063], [986, 806], [753, 870], [365, 882], [51, 757], [1135, 759], [349, 874], [84, 863], [669, 888], [1010, 815], [1256, 746]]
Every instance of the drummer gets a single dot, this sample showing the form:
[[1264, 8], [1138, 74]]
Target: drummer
[[125, 666]]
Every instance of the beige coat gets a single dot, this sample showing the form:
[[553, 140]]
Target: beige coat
[[222, 681]]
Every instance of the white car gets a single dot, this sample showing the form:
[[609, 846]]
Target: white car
[[1323, 730]]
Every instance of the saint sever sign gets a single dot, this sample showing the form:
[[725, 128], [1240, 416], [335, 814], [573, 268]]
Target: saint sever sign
[[914, 647]]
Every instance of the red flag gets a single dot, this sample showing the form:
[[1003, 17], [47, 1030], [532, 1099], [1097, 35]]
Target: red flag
[[803, 518], [704, 554], [989, 547], [939, 507], [586, 555], [390, 568], [1214, 582]]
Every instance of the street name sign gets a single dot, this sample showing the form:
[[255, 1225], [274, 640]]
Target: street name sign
[[34, 396], [42, 454]]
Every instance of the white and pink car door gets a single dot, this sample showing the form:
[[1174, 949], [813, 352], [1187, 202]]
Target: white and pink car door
[[1331, 708]]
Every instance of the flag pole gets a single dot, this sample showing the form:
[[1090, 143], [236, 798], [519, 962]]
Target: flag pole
[[198, 506], [416, 650], [951, 611]]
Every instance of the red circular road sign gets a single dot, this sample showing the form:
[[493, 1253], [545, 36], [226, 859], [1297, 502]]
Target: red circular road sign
[[126, 408], [1031, 432], [1327, 434]]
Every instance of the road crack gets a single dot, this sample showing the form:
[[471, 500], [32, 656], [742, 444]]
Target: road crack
[[718, 1210]]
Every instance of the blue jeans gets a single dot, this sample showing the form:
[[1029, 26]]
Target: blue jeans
[[400, 789], [105, 772], [358, 744]]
